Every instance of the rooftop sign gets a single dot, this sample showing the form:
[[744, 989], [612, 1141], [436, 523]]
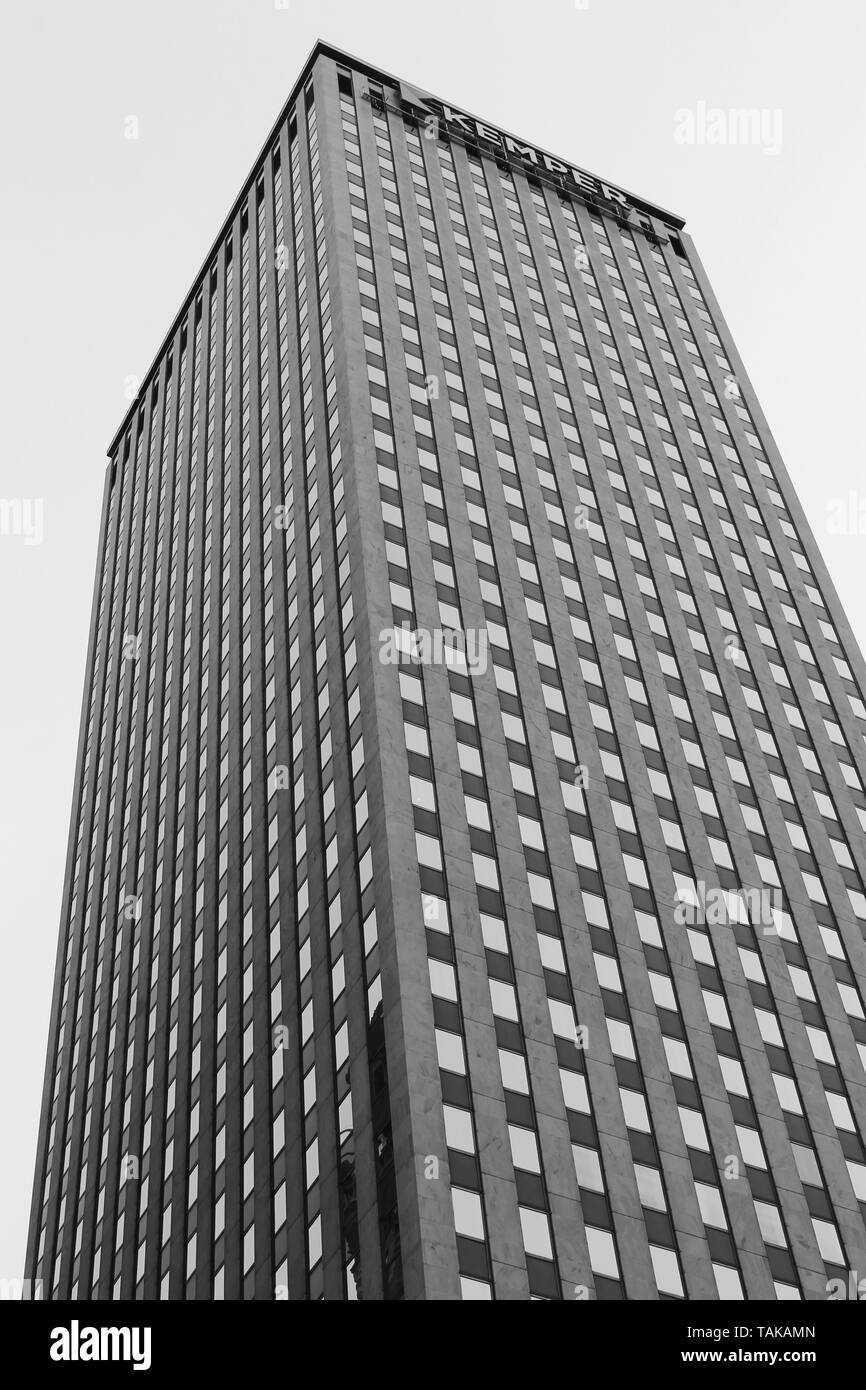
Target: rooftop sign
[[429, 110]]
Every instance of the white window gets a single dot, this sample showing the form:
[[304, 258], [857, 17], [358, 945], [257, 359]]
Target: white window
[[711, 1205], [650, 1187], [449, 1050], [458, 1129], [562, 1019], [443, 981], [416, 740], [828, 1242], [727, 1282], [513, 1068], [663, 991], [477, 813], [494, 934], [802, 982], [770, 1222], [693, 1128], [678, 1056], [503, 1000], [574, 1092], [607, 971], [550, 950], [587, 1167], [751, 1147], [474, 1290], [717, 1011], [524, 1149], [468, 1213], [769, 1028], [602, 1253], [786, 1090], [635, 1111], [820, 1044], [666, 1270], [428, 850], [536, 1233], [540, 891], [485, 871], [857, 1174], [733, 1076], [841, 1112], [621, 1041]]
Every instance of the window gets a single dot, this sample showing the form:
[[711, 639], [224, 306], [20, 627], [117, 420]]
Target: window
[[711, 1205], [693, 1128], [513, 1069], [443, 981], [727, 1282], [574, 1091], [458, 1129], [602, 1253], [650, 1187], [503, 1000], [786, 1090], [857, 1174], [524, 1149], [587, 1167], [449, 1049], [468, 1213], [807, 1165], [635, 1111], [678, 1056], [474, 1289], [666, 1270], [770, 1222], [536, 1233], [621, 1041], [828, 1242], [607, 971], [733, 1076]]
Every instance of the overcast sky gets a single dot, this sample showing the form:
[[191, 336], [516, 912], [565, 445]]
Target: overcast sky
[[102, 236]]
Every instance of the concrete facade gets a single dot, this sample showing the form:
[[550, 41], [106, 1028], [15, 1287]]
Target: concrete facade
[[373, 980]]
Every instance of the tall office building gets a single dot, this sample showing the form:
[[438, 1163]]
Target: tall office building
[[465, 892]]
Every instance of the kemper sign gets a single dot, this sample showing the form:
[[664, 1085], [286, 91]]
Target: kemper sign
[[587, 184]]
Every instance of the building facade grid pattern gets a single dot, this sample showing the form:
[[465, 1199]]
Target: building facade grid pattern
[[394, 978]]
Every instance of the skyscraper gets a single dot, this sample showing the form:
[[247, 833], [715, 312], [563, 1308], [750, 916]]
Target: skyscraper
[[465, 889]]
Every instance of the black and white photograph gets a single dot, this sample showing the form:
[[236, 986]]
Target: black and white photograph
[[433, 725]]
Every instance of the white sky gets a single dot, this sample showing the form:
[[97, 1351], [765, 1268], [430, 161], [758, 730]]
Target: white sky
[[102, 237]]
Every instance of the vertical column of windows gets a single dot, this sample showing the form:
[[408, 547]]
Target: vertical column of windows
[[281, 484], [216, 1158], [200, 764]]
